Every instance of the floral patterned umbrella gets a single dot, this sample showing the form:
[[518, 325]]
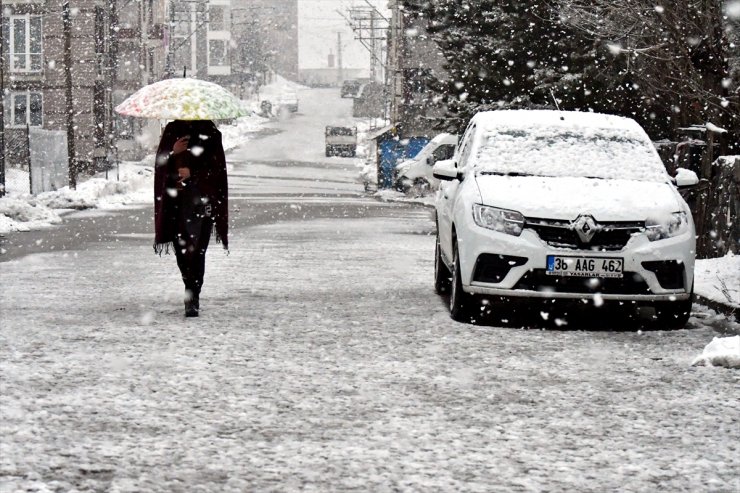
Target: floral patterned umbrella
[[182, 99]]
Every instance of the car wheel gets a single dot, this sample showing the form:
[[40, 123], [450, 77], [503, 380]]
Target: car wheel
[[672, 315], [420, 188], [441, 272], [461, 303]]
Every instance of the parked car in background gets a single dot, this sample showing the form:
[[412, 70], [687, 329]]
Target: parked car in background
[[341, 141], [547, 205], [288, 100], [350, 88], [415, 175]]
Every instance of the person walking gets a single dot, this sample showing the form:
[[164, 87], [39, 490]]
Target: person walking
[[190, 200]]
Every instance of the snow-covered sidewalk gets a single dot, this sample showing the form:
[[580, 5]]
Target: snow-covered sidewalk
[[130, 184]]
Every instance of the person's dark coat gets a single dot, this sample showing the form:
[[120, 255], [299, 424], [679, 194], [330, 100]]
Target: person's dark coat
[[207, 187]]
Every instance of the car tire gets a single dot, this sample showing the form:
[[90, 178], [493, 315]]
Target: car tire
[[672, 315], [420, 188], [442, 274], [461, 303]]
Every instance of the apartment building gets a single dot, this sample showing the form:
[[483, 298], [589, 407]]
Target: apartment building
[[117, 47]]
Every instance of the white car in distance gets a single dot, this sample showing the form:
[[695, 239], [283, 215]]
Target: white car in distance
[[415, 175], [562, 205]]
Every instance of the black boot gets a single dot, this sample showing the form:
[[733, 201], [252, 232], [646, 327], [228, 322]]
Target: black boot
[[191, 304], [190, 309]]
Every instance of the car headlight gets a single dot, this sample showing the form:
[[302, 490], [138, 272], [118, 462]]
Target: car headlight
[[666, 227], [501, 220]]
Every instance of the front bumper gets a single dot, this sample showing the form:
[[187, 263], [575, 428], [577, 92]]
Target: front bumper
[[526, 277]]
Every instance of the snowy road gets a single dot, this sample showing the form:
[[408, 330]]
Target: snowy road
[[323, 361]]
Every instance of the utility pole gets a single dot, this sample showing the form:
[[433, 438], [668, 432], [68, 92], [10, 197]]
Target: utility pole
[[2, 111], [111, 76], [71, 153], [373, 50], [340, 75], [169, 60], [370, 29]]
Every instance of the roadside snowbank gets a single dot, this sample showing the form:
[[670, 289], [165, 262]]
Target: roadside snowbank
[[234, 134], [27, 212], [23, 215], [722, 351], [717, 279], [389, 195]]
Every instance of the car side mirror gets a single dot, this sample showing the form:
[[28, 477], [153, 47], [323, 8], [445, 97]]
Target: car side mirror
[[446, 170], [685, 178]]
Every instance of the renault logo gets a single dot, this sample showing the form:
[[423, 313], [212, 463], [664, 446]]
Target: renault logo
[[586, 228]]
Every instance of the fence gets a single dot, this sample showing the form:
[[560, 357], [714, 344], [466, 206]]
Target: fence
[[35, 160], [715, 205]]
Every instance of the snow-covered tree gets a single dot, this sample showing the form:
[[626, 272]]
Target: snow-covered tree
[[665, 66]]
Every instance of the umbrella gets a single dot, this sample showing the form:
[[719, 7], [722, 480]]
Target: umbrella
[[182, 99]]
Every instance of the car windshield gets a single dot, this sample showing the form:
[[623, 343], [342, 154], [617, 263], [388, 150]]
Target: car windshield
[[569, 152]]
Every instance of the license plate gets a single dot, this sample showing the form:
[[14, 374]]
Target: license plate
[[584, 266]]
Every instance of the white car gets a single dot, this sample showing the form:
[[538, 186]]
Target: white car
[[562, 205], [415, 174]]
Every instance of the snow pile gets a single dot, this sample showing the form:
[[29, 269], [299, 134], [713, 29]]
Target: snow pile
[[581, 144], [718, 279], [26, 212], [722, 351], [390, 195], [727, 161], [134, 186], [281, 82], [21, 215], [233, 135]]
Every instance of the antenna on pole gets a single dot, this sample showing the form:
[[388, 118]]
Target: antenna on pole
[[554, 99]]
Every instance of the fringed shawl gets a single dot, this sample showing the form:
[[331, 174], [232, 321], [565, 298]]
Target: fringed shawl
[[208, 171]]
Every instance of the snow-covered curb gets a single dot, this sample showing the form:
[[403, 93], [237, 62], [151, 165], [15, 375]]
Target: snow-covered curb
[[395, 196], [722, 351]]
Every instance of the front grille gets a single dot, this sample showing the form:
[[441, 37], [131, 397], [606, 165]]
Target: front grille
[[491, 267], [609, 236], [669, 272], [538, 280]]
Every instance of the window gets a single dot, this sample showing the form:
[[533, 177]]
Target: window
[[445, 151], [218, 52], [123, 126], [467, 145], [217, 15], [129, 15], [24, 108], [25, 43]]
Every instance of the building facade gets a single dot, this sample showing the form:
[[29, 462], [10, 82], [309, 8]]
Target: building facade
[[414, 60], [117, 46]]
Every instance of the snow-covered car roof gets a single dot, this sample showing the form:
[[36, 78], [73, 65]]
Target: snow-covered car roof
[[452, 138], [573, 144]]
